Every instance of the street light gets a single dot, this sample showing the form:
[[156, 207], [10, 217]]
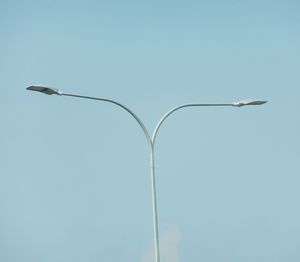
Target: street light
[[45, 89], [248, 102], [150, 140]]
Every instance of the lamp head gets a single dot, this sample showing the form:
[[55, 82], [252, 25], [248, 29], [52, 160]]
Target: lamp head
[[248, 102], [45, 89]]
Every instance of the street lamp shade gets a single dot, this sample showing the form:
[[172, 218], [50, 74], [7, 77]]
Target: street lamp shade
[[248, 102], [45, 89]]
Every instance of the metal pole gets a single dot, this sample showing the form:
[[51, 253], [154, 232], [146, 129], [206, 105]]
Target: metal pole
[[154, 206]]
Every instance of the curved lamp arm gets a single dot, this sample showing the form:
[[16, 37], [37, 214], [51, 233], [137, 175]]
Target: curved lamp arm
[[174, 110], [50, 91], [120, 105], [246, 102]]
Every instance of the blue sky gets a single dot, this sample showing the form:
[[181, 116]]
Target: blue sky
[[74, 175]]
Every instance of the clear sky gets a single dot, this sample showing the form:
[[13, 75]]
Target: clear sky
[[74, 174]]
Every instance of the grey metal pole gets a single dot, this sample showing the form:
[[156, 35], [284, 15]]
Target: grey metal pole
[[154, 205]]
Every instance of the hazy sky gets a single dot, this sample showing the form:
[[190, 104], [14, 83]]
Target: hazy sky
[[74, 174]]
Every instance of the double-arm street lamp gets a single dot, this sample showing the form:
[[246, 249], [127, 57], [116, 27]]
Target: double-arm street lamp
[[150, 139]]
